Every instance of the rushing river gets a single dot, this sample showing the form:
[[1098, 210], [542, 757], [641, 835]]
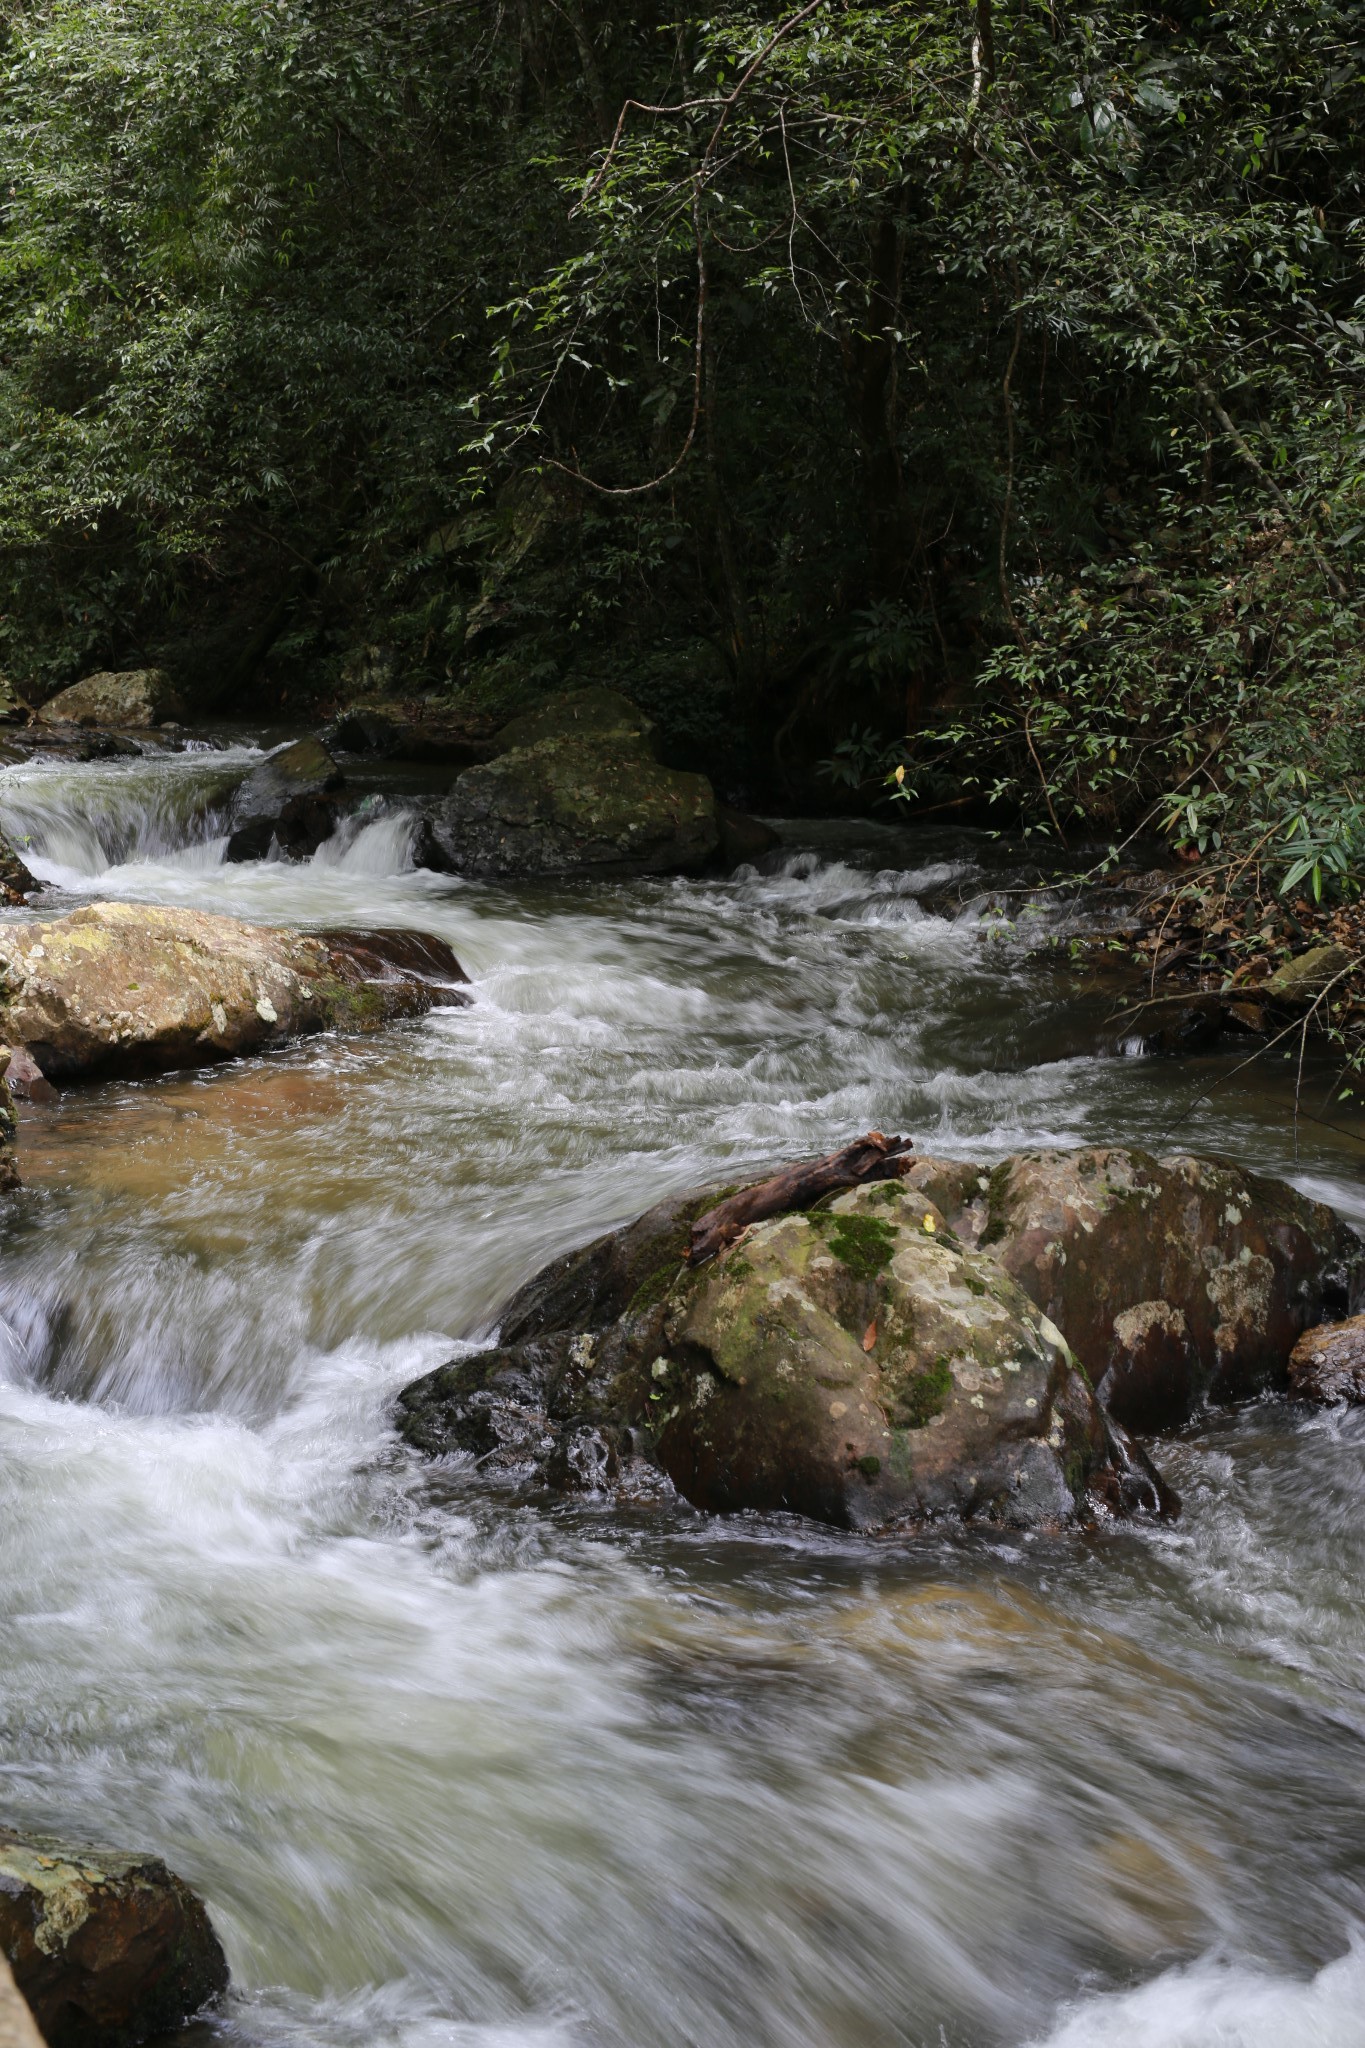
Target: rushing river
[[451, 1771]]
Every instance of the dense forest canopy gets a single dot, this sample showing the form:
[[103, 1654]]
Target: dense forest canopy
[[974, 387]]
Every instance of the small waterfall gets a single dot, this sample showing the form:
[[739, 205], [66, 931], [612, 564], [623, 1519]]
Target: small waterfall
[[371, 841], [73, 827]]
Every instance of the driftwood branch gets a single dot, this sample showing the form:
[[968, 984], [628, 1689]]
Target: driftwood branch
[[871, 1158]]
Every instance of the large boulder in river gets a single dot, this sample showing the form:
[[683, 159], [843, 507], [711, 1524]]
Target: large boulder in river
[[854, 1363], [286, 805], [129, 988], [136, 698], [574, 791], [106, 1948], [1328, 1364], [1177, 1281]]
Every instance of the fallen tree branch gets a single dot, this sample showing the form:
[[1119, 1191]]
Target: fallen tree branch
[[874, 1157]]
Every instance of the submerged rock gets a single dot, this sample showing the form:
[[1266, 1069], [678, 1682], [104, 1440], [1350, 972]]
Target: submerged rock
[[1177, 1281], [288, 803], [136, 698], [855, 1364], [1328, 1363], [574, 790], [126, 988], [106, 1948]]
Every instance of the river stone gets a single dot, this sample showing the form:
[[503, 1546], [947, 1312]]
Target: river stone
[[1306, 976], [16, 883], [136, 698], [1177, 1281], [288, 803], [129, 988], [570, 806], [106, 1948], [592, 716], [1328, 1364], [856, 1364]]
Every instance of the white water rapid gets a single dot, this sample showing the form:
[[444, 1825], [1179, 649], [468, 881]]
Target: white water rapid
[[456, 1774]]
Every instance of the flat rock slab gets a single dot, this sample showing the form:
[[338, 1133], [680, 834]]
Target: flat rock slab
[[126, 988], [106, 1948]]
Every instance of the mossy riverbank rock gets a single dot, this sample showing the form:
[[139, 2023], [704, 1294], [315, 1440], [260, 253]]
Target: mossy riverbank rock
[[129, 988], [574, 790], [134, 699], [1177, 1280], [106, 1948], [855, 1364]]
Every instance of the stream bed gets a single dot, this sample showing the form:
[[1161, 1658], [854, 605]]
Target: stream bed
[[449, 1770]]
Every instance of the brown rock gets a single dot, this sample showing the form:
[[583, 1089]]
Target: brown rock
[[106, 1948], [125, 988], [1176, 1280], [26, 1078], [1328, 1364], [136, 698]]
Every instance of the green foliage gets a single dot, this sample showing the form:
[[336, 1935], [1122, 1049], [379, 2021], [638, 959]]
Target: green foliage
[[860, 379]]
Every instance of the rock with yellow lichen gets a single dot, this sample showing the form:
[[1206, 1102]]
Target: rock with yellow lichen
[[1178, 1280], [127, 988], [106, 1948], [855, 1363]]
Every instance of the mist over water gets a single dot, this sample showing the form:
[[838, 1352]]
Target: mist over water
[[450, 1771]]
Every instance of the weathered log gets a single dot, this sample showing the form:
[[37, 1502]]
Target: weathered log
[[874, 1157]]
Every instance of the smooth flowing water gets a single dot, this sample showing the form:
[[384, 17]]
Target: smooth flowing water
[[450, 1771]]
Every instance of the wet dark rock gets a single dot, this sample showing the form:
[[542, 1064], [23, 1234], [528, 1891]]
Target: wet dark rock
[[107, 1948], [743, 840], [856, 1364], [288, 803], [363, 732], [1328, 1364], [137, 698], [574, 790], [1177, 1281], [1178, 1026], [16, 883]]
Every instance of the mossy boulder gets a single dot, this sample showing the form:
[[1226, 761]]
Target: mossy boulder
[[1177, 1280], [128, 988], [855, 1364], [16, 883], [106, 1948], [593, 716], [572, 805], [135, 699]]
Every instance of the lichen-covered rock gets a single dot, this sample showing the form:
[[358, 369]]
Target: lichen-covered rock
[[136, 698], [1177, 1281], [287, 804], [1328, 1363], [594, 716], [106, 1948], [574, 790], [126, 988], [855, 1364]]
